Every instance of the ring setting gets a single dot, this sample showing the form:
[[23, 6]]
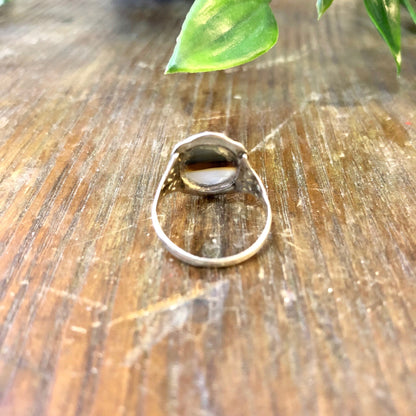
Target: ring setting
[[210, 163]]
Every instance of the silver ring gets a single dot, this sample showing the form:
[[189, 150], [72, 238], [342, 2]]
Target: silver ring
[[207, 164]]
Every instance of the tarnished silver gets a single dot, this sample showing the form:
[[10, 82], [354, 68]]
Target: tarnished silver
[[210, 163]]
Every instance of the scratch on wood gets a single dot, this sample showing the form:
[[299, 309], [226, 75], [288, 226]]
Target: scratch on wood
[[75, 298], [78, 329], [169, 303], [268, 140], [280, 60], [165, 317], [105, 235]]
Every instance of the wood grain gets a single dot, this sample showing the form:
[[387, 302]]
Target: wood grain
[[98, 319]]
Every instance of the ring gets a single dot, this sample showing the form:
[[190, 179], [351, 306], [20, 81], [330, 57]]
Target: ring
[[209, 164]]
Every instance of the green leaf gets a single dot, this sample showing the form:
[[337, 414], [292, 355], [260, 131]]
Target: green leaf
[[321, 6], [385, 14], [410, 9], [220, 34]]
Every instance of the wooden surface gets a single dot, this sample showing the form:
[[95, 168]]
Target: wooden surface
[[98, 319]]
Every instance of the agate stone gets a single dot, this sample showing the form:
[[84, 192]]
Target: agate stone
[[209, 168]]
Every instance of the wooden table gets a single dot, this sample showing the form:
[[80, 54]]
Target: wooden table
[[98, 319]]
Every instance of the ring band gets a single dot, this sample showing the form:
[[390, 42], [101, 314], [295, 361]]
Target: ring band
[[210, 163]]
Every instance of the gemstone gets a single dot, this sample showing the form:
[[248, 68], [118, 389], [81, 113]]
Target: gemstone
[[209, 167]]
